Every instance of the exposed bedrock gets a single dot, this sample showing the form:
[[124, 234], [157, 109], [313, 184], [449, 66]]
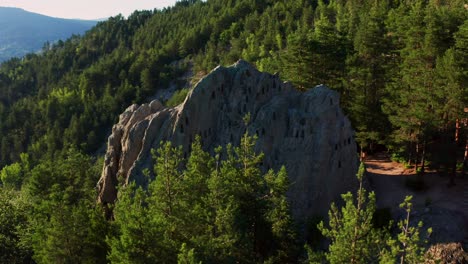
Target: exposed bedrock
[[305, 131]]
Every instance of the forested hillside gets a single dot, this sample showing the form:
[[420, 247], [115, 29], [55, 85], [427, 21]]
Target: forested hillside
[[401, 67]]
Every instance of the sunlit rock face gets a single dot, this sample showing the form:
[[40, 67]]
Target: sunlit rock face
[[305, 131]]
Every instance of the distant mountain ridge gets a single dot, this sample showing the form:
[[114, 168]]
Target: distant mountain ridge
[[23, 32]]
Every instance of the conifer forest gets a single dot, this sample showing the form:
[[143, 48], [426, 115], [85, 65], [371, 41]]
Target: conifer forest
[[399, 66]]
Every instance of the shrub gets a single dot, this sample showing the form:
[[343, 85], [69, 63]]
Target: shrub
[[177, 98], [12, 175]]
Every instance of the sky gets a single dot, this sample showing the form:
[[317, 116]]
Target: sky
[[86, 9]]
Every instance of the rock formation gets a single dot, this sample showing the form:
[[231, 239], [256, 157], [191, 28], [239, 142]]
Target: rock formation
[[305, 131], [449, 253]]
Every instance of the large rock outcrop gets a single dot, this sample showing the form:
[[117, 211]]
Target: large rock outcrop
[[305, 131]]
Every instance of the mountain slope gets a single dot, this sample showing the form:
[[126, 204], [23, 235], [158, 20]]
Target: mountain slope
[[23, 32]]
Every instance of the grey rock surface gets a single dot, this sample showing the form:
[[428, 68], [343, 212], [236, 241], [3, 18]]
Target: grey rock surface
[[305, 131]]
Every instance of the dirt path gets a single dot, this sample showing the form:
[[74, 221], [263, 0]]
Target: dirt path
[[445, 207]]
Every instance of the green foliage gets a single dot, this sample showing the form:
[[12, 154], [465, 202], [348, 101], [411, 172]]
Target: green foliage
[[314, 257], [360, 234], [390, 60], [71, 234], [408, 246], [400, 68], [11, 175], [353, 238], [13, 219], [177, 98], [137, 235], [186, 256], [208, 210]]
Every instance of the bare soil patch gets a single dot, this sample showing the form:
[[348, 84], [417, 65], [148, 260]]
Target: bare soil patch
[[443, 208]]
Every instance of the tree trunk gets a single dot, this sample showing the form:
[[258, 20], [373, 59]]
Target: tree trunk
[[453, 153], [423, 158], [465, 160], [416, 163], [410, 151]]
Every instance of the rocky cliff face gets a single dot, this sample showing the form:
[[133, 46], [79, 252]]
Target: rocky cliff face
[[305, 131]]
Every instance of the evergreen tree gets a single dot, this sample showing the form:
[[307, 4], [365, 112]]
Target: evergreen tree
[[13, 228], [353, 238], [279, 216], [298, 59], [408, 247], [66, 225], [413, 110], [194, 222], [187, 256], [138, 235], [366, 78], [166, 205]]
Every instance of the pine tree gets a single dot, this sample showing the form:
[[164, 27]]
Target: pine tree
[[408, 247], [187, 256], [413, 109], [222, 235], [366, 77], [138, 233], [194, 197], [166, 187], [65, 224], [353, 239], [280, 219], [165, 204], [14, 245], [298, 61], [330, 53]]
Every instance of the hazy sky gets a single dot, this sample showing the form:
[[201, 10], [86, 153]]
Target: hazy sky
[[86, 9]]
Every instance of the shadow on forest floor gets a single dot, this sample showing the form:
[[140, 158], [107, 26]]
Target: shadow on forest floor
[[438, 205]]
